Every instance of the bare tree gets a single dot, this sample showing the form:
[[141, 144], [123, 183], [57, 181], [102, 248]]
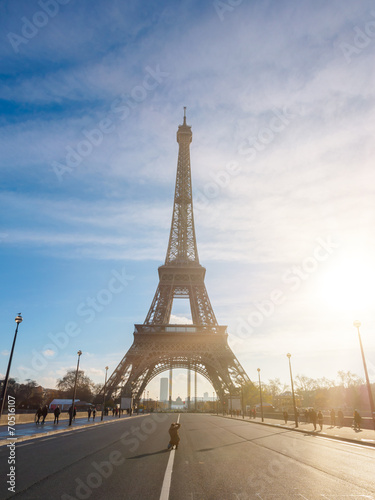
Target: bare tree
[[85, 386], [349, 379]]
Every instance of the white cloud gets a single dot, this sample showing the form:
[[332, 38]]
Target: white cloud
[[49, 353]]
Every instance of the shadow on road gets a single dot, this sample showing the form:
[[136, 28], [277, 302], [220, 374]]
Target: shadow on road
[[148, 454]]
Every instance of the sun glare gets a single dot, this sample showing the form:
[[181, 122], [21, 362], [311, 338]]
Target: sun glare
[[348, 284]]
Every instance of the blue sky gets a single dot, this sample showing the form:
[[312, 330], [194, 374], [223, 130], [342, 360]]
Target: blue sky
[[280, 97]]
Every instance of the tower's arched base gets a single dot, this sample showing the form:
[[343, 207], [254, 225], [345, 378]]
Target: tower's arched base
[[157, 348]]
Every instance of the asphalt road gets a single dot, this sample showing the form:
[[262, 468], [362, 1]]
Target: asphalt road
[[218, 459]]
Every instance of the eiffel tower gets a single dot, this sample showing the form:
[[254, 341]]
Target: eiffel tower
[[158, 346]]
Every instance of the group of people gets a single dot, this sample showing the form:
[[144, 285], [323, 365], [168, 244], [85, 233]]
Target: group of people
[[340, 418], [311, 416], [93, 411], [41, 413], [253, 413]]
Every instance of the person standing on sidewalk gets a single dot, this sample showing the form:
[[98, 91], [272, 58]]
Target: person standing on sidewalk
[[313, 417], [285, 415], [357, 421], [38, 414], [44, 413], [320, 420], [56, 414]]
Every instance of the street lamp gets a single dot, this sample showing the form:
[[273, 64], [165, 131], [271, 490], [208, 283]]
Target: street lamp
[[357, 324], [242, 405], [18, 320], [260, 393], [294, 399], [105, 384], [74, 390]]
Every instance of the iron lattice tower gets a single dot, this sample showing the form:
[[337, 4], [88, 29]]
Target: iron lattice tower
[[158, 345]]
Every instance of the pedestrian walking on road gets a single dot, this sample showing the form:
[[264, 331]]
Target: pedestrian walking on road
[[44, 413], [57, 414], [89, 413], [320, 420], [285, 415], [174, 436], [93, 414]]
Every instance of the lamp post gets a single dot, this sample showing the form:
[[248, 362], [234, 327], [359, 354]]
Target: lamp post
[[18, 320], [260, 394], [294, 399], [357, 324], [105, 385], [242, 406], [74, 390]]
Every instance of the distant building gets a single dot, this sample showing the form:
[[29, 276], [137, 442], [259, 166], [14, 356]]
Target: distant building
[[163, 389], [63, 403], [178, 404], [205, 396]]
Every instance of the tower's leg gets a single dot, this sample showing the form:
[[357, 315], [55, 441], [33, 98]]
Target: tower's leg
[[188, 387], [195, 389], [170, 388]]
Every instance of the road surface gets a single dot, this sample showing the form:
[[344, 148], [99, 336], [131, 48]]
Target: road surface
[[218, 459]]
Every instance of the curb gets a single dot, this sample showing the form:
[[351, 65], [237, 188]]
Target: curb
[[314, 433], [4, 442]]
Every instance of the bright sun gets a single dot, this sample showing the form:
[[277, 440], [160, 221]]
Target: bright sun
[[349, 283]]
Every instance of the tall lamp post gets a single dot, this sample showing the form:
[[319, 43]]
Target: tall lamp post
[[260, 394], [294, 399], [105, 385], [18, 320], [357, 324], [74, 390]]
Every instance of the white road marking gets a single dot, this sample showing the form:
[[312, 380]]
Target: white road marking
[[168, 474]]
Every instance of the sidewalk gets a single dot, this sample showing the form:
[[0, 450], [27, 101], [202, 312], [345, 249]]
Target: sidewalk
[[364, 436], [31, 430]]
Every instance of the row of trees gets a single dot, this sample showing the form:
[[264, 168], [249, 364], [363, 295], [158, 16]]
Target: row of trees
[[348, 391], [31, 395]]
